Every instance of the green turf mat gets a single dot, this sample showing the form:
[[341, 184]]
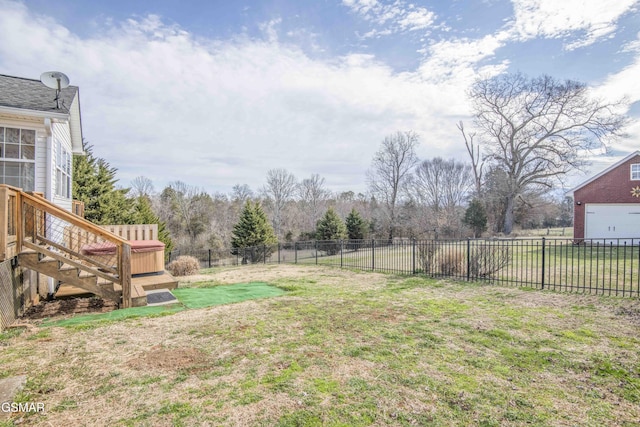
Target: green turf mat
[[225, 294]]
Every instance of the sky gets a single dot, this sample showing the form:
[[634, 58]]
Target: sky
[[216, 93]]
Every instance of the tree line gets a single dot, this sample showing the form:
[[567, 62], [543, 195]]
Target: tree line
[[527, 135]]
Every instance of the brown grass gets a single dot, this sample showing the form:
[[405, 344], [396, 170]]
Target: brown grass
[[340, 340]]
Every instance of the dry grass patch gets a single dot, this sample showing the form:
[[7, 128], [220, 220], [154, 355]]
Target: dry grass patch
[[343, 348]]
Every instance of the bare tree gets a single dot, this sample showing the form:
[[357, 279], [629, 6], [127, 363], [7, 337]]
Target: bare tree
[[280, 188], [188, 212], [391, 171], [141, 186], [439, 188], [241, 193], [536, 130], [477, 163], [313, 196]]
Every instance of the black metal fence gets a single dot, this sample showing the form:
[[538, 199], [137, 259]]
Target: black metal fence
[[597, 266]]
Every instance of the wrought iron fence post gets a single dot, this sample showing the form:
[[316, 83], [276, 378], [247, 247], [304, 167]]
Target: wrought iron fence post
[[341, 248], [373, 254], [278, 252], [413, 256], [543, 250], [468, 259], [209, 258], [295, 251], [316, 245]]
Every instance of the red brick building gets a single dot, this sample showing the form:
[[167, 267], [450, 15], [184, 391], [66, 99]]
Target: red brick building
[[608, 204]]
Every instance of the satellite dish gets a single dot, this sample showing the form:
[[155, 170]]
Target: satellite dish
[[55, 80]]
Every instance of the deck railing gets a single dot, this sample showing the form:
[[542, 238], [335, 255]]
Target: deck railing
[[34, 223]]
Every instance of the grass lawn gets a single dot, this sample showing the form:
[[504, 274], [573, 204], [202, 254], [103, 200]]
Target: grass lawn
[[341, 348]]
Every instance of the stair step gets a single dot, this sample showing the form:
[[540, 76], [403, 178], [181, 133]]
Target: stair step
[[67, 267]]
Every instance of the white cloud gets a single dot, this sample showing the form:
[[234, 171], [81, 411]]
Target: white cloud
[[395, 17], [559, 19], [158, 102]]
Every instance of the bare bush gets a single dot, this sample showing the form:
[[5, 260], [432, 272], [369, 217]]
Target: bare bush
[[426, 254], [450, 262], [184, 266], [486, 260]]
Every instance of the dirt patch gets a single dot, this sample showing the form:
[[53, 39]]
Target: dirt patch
[[170, 358], [67, 307]]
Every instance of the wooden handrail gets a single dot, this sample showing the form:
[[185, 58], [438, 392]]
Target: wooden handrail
[[123, 248], [73, 219]]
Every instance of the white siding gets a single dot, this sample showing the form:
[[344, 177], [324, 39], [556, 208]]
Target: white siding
[[41, 162]]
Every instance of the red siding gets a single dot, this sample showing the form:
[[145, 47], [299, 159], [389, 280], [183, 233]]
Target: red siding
[[612, 187]]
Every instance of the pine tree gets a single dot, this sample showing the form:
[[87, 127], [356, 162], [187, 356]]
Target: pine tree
[[253, 231], [330, 227], [94, 183], [356, 229], [476, 217], [356, 225]]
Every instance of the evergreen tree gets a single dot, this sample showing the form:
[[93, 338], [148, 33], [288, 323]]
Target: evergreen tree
[[330, 227], [356, 225], [94, 183], [253, 231], [476, 217]]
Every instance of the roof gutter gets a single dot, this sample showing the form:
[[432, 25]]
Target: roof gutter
[[34, 113]]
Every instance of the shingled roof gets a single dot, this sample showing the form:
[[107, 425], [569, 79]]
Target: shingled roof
[[29, 94]]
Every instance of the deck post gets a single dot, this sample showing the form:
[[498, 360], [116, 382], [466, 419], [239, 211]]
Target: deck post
[[4, 222], [125, 275]]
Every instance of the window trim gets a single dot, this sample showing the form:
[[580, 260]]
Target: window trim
[[19, 159], [63, 168], [635, 172]]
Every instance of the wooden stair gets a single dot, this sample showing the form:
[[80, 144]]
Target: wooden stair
[[66, 271]]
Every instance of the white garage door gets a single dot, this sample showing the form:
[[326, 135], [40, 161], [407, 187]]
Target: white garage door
[[613, 221]]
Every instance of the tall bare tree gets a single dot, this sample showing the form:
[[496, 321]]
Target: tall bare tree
[[280, 188], [391, 171], [313, 195], [141, 186], [477, 163], [536, 130]]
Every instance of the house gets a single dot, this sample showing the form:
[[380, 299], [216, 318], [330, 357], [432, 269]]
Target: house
[[38, 136], [45, 248], [607, 205]]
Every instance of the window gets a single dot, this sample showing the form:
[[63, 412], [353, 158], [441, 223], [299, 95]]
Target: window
[[18, 157], [635, 172], [63, 172]]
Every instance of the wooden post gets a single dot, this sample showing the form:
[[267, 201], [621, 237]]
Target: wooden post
[[4, 221], [125, 274]]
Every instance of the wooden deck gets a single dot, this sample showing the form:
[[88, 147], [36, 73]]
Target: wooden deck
[[139, 286]]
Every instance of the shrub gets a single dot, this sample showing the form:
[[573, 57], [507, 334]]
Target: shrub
[[184, 266], [426, 255], [450, 261], [486, 260]]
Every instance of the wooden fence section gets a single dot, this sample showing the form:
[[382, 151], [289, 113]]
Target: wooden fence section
[[78, 236], [134, 231]]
